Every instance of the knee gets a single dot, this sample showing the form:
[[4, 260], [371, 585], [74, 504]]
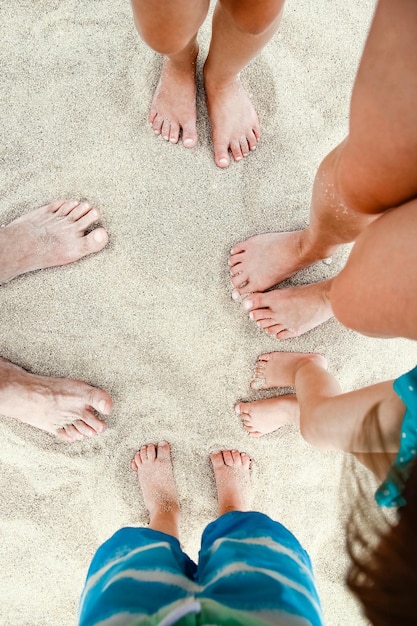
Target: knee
[[163, 41], [250, 20]]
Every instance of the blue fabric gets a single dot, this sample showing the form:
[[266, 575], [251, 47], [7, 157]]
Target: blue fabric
[[251, 570], [390, 492]]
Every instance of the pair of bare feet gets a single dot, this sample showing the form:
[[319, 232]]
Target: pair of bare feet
[[234, 122], [153, 465], [275, 369], [264, 261], [52, 235]]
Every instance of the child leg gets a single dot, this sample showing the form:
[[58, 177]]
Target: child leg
[[171, 27], [327, 418]]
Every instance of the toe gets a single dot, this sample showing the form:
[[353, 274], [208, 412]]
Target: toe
[[252, 141], [244, 146], [73, 433], [236, 150], [189, 135], [258, 382], [94, 422], [164, 451], [221, 155], [259, 315], [166, 129], [227, 457], [265, 323], [287, 333], [82, 209], [62, 434], [53, 206], [236, 457], [143, 453], [100, 399], [216, 459], [174, 133], [84, 428], [67, 207], [151, 452], [237, 249], [157, 124], [93, 242], [245, 459], [137, 460]]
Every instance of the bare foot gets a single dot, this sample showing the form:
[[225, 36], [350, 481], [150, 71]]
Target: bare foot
[[153, 465], [173, 106], [232, 471], [49, 236], [291, 312], [62, 406], [265, 416], [234, 122], [263, 261], [278, 369]]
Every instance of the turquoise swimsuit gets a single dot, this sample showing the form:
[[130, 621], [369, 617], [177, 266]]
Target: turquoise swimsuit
[[390, 492]]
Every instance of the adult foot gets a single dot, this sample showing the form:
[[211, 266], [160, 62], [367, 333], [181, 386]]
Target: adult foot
[[61, 406], [173, 106], [49, 236], [263, 261], [265, 416], [233, 119], [278, 369], [153, 465], [232, 471], [291, 312]]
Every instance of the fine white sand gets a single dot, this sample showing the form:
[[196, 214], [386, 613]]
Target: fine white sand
[[150, 318]]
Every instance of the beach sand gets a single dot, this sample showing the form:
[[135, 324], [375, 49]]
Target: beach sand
[[150, 318]]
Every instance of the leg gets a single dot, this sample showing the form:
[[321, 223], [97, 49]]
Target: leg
[[371, 171], [156, 479], [241, 28], [249, 564], [376, 294], [60, 406], [141, 574], [327, 418], [50, 236], [171, 28]]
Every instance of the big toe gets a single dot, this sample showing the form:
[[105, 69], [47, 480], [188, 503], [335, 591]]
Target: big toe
[[216, 459], [95, 241], [221, 155], [189, 136], [164, 451], [100, 400]]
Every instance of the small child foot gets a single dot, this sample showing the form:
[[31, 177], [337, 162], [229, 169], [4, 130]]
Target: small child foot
[[153, 465], [265, 416], [232, 470]]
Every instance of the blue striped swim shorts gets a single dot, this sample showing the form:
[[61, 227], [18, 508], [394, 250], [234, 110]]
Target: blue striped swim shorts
[[251, 571]]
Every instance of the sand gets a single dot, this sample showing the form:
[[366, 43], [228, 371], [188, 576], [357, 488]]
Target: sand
[[150, 318]]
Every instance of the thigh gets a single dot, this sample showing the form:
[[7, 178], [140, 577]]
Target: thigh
[[376, 293], [377, 168], [250, 563], [137, 572]]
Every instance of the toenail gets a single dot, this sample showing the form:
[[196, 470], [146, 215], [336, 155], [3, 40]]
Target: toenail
[[223, 161], [258, 383], [253, 149], [163, 443], [188, 142], [235, 294], [251, 317], [237, 409], [99, 236], [102, 404], [238, 158], [247, 304]]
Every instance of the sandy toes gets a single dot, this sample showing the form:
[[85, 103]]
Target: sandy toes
[[153, 465], [61, 406], [291, 312], [278, 369], [265, 416], [232, 470], [49, 236], [173, 107], [234, 122]]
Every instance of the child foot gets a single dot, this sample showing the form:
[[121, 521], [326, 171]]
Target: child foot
[[173, 106], [49, 236], [61, 406], [234, 122], [265, 416], [278, 369], [291, 312], [153, 465], [232, 471], [263, 261]]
